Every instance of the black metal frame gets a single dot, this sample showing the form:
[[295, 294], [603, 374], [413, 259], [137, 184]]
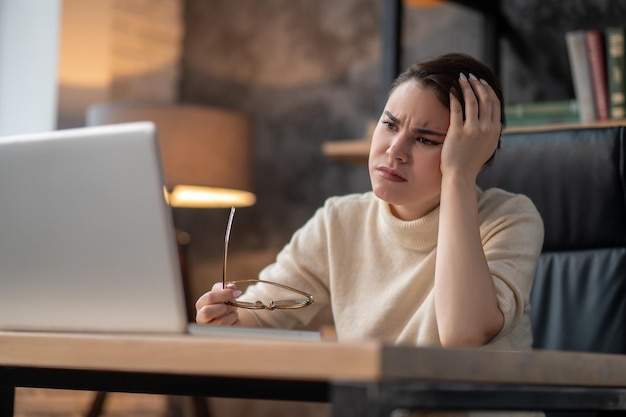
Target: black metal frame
[[161, 383], [393, 397]]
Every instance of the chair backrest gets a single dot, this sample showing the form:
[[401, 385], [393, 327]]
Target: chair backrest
[[576, 178]]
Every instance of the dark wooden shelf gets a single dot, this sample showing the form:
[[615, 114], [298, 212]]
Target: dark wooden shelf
[[357, 150]]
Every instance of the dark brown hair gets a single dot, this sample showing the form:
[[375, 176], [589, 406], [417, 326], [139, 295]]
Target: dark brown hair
[[442, 75]]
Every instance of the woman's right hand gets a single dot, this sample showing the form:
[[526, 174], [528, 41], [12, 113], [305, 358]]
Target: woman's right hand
[[211, 307]]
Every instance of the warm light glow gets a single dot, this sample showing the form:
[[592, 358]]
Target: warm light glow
[[207, 197], [423, 3], [207, 153]]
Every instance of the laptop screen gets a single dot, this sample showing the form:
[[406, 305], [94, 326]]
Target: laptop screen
[[87, 239]]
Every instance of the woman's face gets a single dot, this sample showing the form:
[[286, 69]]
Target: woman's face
[[404, 160]]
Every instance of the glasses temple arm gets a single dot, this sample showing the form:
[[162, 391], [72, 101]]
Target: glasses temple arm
[[226, 240]]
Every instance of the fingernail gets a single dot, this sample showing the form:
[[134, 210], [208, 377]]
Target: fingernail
[[462, 77], [230, 285], [236, 293], [473, 77], [484, 82]]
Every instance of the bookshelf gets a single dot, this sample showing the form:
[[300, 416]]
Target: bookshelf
[[497, 26], [356, 151]]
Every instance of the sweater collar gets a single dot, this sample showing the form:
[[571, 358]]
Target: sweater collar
[[419, 234]]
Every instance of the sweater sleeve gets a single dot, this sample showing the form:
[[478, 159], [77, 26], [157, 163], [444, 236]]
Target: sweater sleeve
[[512, 233], [302, 264]]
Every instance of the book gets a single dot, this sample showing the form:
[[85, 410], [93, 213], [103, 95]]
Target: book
[[581, 74], [542, 113], [542, 108], [615, 67], [594, 43]]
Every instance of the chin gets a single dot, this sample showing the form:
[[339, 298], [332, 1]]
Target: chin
[[386, 195]]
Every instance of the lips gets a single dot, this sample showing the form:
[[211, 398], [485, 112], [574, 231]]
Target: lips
[[389, 174]]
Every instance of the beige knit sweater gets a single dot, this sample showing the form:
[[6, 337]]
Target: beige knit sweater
[[376, 271]]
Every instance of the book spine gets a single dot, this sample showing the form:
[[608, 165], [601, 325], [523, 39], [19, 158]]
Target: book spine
[[541, 120], [542, 113], [594, 42], [542, 108], [616, 84], [581, 77]]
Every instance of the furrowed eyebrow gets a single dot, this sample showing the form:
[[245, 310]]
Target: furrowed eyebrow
[[420, 131], [428, 132], [392, 117]]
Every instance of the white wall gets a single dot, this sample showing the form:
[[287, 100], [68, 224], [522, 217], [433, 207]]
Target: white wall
[[29, 35]]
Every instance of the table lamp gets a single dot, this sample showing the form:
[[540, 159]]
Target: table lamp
[[207, 157], [206, 152]]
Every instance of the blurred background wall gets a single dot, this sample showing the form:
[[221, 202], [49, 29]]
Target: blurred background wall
[[310, 72], [306, 72]]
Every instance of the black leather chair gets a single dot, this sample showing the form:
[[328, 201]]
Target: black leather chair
[[576, 178]]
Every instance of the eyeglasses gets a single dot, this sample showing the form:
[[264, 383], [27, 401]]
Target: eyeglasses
[[258, 305]]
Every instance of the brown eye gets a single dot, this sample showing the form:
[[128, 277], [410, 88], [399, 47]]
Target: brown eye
[[427, 142], [389, 125]]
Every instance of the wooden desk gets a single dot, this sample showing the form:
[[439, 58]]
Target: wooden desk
[[358, 379]]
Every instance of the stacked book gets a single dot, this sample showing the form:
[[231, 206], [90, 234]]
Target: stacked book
[[542, 113], [596, 58]]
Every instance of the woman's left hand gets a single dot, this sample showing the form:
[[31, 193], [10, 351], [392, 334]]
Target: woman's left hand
[[470, 143]]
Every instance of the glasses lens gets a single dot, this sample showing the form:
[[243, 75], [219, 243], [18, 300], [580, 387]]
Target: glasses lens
[[244, 304], [284, 300], [290, 303]]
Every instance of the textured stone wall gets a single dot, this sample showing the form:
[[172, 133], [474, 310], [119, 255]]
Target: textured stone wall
[[117, 50], [307, 72], [146, 49]]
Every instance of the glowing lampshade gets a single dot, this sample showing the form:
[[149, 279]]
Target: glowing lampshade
[[207, 153]]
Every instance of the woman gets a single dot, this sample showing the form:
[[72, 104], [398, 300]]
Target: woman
[[426, 257]]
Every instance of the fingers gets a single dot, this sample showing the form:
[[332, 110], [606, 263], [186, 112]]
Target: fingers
[[471, 101], [217, 295], [456, 112], [485, 102], [217, 315], [211, 307], [481, 102], [472, 138], [496, 110]]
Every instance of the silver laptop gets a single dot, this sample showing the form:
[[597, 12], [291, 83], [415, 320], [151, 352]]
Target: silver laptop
[[86, 235], [87, 239]]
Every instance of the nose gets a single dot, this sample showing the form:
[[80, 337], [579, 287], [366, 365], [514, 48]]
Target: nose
[[397, 150]]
